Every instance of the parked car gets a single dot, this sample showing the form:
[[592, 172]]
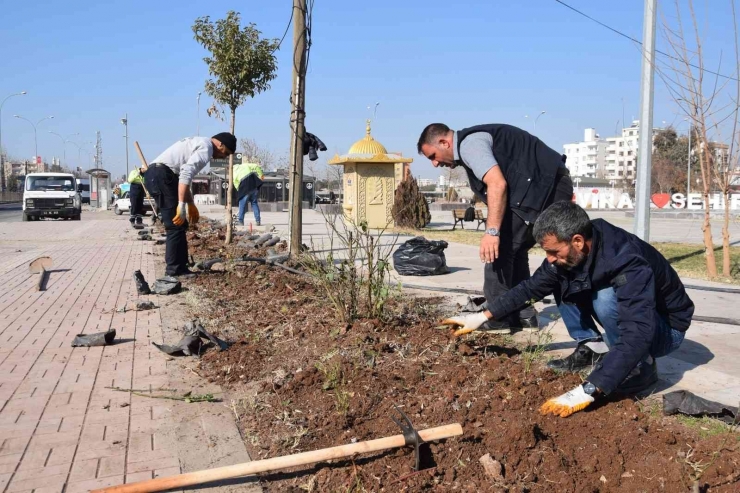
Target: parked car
[[83, 186], [52, 195], [124, 205]]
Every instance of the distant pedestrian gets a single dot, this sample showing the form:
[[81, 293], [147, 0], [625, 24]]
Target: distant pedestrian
[[248, 181], [168, 180], [136, 196]]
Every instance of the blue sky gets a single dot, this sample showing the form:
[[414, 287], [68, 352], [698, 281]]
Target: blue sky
[[462, 63]]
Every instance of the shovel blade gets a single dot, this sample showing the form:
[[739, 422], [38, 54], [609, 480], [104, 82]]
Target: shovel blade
[[40, 264]]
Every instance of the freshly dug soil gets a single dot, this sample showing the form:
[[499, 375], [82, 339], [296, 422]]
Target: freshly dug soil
[[321, 383]]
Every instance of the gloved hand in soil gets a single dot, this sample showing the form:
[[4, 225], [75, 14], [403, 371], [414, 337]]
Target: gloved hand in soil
[[568, 403], [466, 323]]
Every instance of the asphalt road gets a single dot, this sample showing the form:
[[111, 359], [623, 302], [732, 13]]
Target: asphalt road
[[10, 213]]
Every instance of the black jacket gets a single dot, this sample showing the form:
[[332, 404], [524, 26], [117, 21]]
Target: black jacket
[[644, 282], [249, 184], [529, 166]]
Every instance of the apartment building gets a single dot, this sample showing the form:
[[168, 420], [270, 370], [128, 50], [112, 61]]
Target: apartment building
[[587, 158]]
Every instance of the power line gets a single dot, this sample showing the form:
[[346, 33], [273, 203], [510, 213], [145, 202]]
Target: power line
[[290, 21], [620, 33]]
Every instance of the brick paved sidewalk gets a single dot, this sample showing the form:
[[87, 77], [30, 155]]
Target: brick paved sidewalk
[[61, 427]]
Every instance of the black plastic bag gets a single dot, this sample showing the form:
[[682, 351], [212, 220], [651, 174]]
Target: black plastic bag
[[166, 285], [93, 340], [142, 287], [421, 257], [684, 402]]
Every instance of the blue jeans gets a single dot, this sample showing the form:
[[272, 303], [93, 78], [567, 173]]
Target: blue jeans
[[251, 198], [582, 327]]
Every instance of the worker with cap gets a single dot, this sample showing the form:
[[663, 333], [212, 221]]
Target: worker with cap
[[136, 196], [168, 180], [247, 182]]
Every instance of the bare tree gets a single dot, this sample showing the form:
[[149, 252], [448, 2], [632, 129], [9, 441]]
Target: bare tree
[[257, 154], [709, 106]]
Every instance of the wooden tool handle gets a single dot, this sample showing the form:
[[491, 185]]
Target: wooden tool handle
[[42, 280], [144, 166], [286, 461]]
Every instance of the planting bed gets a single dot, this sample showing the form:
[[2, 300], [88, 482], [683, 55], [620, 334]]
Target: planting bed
[[320, 383]]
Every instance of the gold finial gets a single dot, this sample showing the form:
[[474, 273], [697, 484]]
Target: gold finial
[[367, 129]]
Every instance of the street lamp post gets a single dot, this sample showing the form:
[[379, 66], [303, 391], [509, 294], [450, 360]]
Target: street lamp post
[[197, 117], [64, 147], [2, 166], [535, 120], [124, 120], [35, 137]]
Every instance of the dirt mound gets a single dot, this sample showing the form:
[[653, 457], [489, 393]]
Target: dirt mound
[[323, 383]]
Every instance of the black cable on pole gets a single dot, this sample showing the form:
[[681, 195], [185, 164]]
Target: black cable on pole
[[290, 22], [620, 33]]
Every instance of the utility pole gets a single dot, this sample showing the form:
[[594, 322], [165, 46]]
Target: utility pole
[[642, 192], [297, 123], [124, 120], [98, 150]]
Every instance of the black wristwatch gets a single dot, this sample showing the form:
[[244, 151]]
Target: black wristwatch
[[589, 388]]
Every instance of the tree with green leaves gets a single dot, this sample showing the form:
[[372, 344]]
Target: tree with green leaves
[[242, 64]]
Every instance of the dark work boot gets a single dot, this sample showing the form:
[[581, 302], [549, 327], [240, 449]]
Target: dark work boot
[[496, 327], [530, 324], [640, 379], [583, 357]]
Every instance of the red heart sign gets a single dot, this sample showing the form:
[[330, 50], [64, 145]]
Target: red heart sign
[[661, 199]]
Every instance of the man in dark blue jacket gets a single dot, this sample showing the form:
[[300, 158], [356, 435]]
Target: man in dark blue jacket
[[601, 273]]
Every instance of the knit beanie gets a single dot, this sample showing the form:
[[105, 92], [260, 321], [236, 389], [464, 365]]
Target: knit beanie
[[226, 139]]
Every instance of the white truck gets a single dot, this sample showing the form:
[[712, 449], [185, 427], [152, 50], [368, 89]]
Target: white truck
[[52, 195], [83, 186]]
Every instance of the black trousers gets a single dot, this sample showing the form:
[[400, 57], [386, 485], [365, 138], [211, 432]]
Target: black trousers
[[512, 265], [162, 185], [136, 194]]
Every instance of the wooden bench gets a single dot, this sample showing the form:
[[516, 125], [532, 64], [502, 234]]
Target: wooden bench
[[459, 215]]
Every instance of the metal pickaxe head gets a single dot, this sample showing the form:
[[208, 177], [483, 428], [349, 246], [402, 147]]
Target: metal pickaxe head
[[40, 264], [410, 434]]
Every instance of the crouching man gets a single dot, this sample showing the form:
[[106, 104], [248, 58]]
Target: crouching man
[[598, 272]]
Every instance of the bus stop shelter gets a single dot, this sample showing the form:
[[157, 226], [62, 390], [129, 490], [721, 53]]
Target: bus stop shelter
[[100, 188]]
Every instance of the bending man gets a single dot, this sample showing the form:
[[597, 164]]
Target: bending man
[[517, 176], [168, 180]]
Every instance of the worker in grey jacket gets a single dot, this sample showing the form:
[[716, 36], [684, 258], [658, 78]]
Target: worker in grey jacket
[[168, 180]]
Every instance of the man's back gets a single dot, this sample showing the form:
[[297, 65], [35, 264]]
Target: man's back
[[617, 248]]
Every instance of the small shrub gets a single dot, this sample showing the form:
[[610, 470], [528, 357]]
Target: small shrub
[[410, 208]]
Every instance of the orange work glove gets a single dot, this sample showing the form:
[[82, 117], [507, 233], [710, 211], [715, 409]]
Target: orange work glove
[[568, 403], [181, 215], [193, 214], [466, 323]]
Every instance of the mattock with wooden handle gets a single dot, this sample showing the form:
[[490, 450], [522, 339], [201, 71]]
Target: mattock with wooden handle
[[410, 435], [41, 267]]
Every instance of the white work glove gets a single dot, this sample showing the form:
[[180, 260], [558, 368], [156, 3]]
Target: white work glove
[[568, 403], [181, 215], [466, 323]]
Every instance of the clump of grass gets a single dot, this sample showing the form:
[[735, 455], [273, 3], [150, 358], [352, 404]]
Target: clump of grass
[[705, 426], [535, 350], [332, 373], [341, 400]]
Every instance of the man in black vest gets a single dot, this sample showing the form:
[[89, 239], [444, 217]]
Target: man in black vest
[[517, 176]]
